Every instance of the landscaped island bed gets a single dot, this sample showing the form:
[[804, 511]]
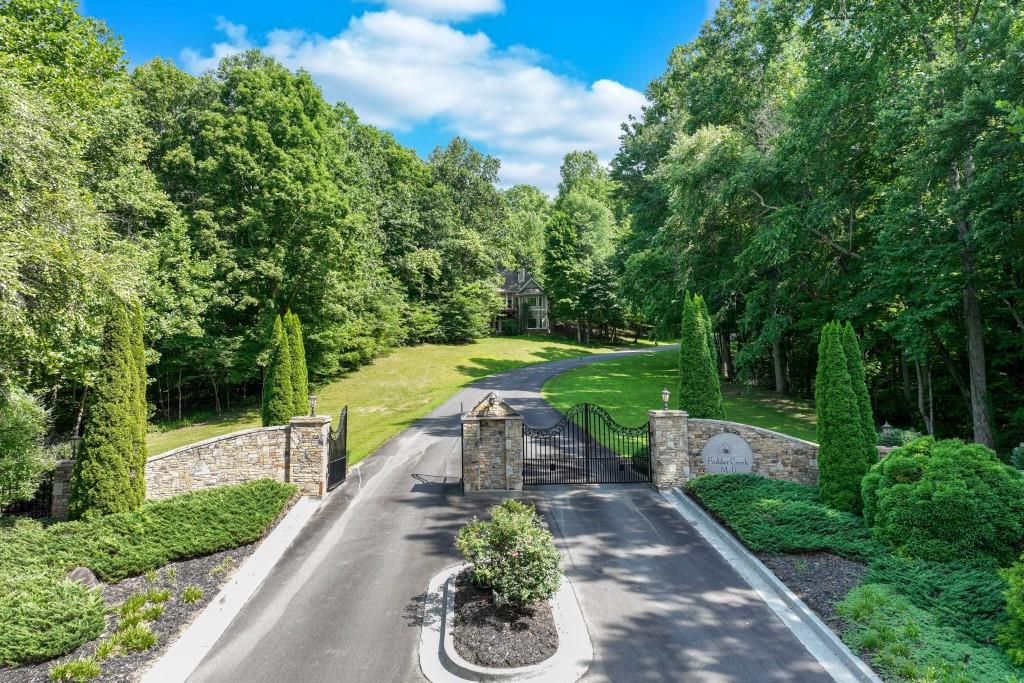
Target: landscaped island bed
[[911, 619], [45, 615]]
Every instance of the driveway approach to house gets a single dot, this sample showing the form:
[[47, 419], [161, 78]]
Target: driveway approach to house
[[344, 604]]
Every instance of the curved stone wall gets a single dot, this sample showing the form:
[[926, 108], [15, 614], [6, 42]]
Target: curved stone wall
[[234, 458], [750, 449]]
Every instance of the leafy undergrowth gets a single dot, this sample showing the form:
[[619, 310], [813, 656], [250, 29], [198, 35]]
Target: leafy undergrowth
[[918, 621], [44, 615], [907, 643]]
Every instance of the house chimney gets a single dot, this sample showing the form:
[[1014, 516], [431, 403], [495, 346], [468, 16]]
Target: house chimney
[[522, 275]]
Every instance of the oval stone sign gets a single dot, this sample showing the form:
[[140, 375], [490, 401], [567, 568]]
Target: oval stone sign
[[727, 453]]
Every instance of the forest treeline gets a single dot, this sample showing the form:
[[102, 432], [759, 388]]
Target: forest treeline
[[802, 161], [799, 162], [219, 202]]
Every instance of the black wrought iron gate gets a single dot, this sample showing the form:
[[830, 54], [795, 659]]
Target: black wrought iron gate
[[587, 446], [337, 458]]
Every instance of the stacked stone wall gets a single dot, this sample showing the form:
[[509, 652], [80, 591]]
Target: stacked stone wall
[[774, 455], [230, 459]]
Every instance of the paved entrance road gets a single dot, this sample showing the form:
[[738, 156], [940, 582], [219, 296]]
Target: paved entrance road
[[344, 603]]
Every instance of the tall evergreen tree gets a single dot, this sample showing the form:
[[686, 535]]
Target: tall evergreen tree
[[140, 407], [101, 482], [841, 461], [277, 382], [300, 375], [700, 393], [709, 332], [855, 365]]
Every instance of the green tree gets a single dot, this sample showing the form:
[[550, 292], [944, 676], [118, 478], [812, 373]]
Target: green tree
[[841, 461], [278, 397], [700, 393], [102, 480], [855, 366], [23, 424], [297, 352], [139, 404]]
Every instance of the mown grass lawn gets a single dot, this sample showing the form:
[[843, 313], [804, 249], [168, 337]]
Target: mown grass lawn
[[630, 386], [395, 390]]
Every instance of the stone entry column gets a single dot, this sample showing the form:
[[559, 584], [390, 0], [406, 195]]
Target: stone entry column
[[492, 447], [307, 453], [669, 453]]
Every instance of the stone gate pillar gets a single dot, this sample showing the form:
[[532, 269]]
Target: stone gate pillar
[[669, 452], [308, 443], [492, 447]]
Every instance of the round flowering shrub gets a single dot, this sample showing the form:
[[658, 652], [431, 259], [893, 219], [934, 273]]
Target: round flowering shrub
[[945, 501], [512, 554]]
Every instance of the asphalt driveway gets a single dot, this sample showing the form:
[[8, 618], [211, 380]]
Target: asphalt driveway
[[344, 603]]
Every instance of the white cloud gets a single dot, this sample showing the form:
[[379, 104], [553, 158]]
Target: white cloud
[[445, 9], [238, 41], [398, 70]]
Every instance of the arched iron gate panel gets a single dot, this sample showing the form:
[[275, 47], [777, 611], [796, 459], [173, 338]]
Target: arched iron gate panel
[[337, 452], [586, 446]]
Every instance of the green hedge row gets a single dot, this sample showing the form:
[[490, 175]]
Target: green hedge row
[[44, 615]]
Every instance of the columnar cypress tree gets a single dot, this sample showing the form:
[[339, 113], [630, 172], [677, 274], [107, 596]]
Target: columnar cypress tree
[[277, 382], [709, 329], [841, 462], [300, 376], [855, 365], [101, 482], [137, 469], [700, 393]]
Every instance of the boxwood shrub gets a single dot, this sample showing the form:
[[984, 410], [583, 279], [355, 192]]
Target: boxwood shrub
[[512, 554], [44, 615], [945, 501]]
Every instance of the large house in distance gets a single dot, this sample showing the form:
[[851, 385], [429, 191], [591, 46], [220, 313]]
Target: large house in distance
[[524, 302]]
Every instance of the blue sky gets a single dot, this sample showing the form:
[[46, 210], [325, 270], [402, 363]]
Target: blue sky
[[525, 80]]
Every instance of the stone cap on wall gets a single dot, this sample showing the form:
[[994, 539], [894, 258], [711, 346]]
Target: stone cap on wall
[[757, 429], [310, 420], [667, 413], [492, 408], [215, 439]]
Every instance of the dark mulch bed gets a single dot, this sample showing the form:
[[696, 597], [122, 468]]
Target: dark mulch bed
[[486, 635], [208, 573], [819, 579]]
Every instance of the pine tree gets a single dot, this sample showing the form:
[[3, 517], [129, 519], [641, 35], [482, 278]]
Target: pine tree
[[137, 469], [300, 376], [855, 365], [841, 462], [277, 382], [101, 482], [700, 393]]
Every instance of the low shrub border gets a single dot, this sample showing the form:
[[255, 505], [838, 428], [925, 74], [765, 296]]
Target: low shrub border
[[916, 620], [45, 615]]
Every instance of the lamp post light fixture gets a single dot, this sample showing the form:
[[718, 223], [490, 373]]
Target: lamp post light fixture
[[75, 441], [312, 405], [664, 398]]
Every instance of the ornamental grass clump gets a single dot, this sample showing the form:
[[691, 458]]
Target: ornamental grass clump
[[512, 554]]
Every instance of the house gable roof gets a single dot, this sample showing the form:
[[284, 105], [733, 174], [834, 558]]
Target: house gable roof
[[512, 285]]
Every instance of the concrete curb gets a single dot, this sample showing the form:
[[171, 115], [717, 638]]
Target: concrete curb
[[440, 663], [824, 645], [182, 658]]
